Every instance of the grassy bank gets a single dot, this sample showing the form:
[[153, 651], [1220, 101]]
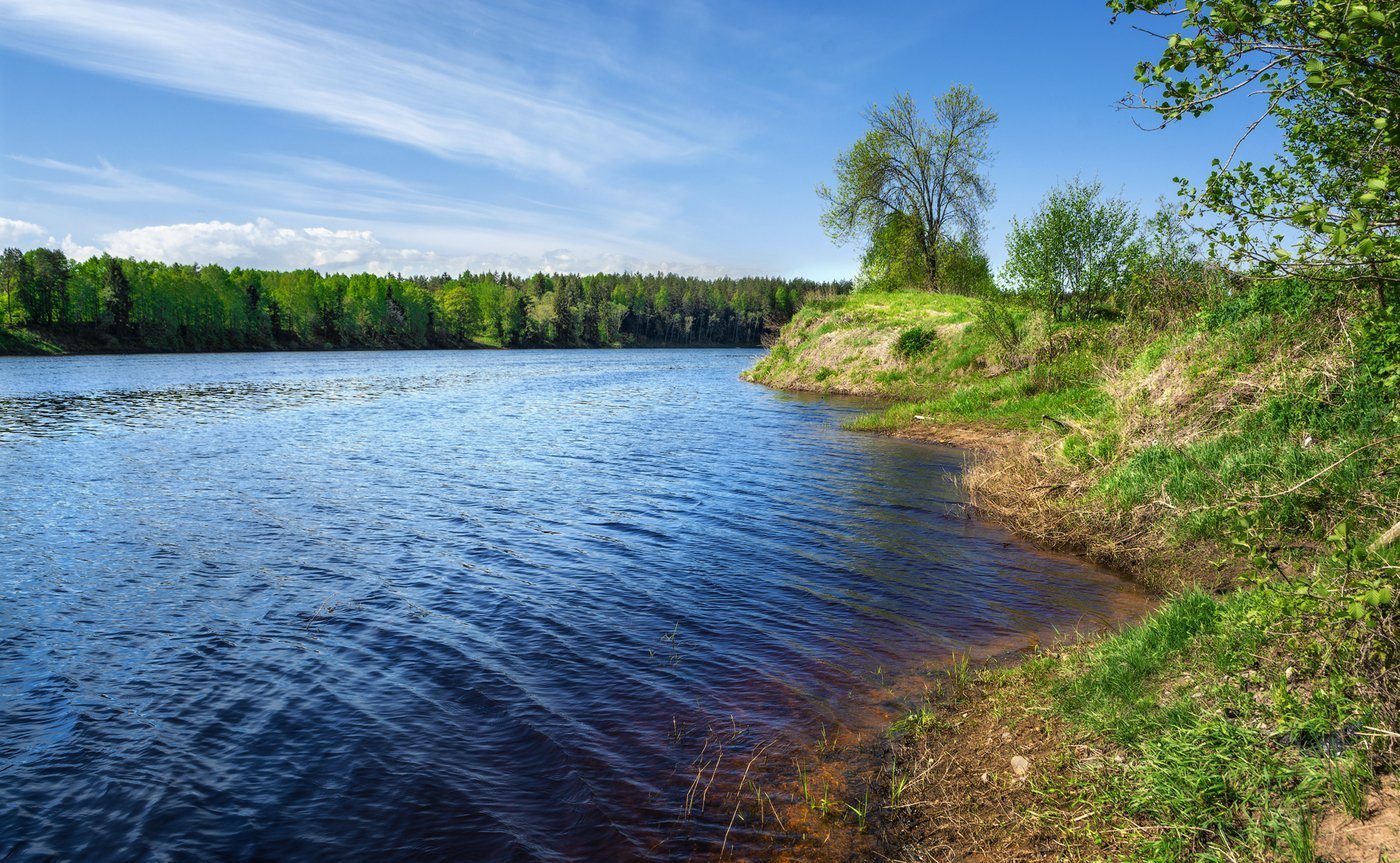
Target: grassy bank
[[1244, 461]]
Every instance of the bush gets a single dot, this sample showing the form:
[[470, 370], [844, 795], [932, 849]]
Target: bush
[[1295, 299], [1076, 252], [963, 269], [1172, 280], [915, 342], [995, 318]]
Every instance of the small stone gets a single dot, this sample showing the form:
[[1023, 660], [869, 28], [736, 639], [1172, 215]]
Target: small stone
[[1019, 765], [1006, 736], [986, 777]]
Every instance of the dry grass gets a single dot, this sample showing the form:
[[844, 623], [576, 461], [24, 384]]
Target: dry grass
[[1027, 486], [847, 346], [1195, 389], [966, 800]]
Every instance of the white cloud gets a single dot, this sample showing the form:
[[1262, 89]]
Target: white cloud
[[259, 243], [73, 249], [264, 244], [469, 105], [14, 231]]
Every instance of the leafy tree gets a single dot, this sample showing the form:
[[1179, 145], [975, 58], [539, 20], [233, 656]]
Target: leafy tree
[[512, 318], [45, 297], [566, 321], [1330, 70], [892, 260], [14, 279], [116, 293], [1075, 252], [84, 290], [922, 182]]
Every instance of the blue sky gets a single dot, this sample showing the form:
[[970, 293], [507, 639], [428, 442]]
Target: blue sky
[[424, 137]]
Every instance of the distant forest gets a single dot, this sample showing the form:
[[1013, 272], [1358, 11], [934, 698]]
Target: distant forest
[[107, 303]]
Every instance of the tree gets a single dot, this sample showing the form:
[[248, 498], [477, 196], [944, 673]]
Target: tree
[[892, 259], [85, 291], [14, 279], [45, 298], [964, 269], [1330, 70], [921, 182], [461, 310], [1075, 252]]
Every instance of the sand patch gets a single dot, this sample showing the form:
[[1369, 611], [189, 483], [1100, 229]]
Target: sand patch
[[1374, 839]]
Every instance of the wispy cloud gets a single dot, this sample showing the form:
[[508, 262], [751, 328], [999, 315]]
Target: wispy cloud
[[102, 182], [468, 105], [309, 189]]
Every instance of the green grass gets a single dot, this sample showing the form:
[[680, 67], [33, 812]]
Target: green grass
[[888, 344], [1232, 734], [20, 341]]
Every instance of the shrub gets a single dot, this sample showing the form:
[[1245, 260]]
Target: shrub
[[995, 318], [915, 342], [1076, 252]]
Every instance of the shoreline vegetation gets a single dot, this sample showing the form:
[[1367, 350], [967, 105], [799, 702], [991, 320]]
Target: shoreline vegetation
[[1241, 461], [51, 305], [1207, 399]]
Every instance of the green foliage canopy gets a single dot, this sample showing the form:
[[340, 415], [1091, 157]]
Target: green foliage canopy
[[1076, 252], [1330, 73], [112, 302]]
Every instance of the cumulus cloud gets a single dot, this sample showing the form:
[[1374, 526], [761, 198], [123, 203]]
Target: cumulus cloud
[[14, 231], [259, 243], [265, 244], [73, 249]]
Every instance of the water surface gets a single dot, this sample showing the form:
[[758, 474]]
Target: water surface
[[454, 605]]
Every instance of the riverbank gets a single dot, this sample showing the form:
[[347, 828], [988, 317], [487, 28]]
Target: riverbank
[[1241, 462], [95, 341]]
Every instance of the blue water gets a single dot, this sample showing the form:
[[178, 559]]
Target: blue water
[[474, 606]]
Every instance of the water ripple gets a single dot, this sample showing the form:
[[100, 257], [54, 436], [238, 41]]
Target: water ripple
[[453, 606]]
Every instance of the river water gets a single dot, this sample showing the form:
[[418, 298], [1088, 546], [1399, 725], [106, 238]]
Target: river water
[[473, 606]]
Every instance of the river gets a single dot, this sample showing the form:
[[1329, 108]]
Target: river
[[475, 606]]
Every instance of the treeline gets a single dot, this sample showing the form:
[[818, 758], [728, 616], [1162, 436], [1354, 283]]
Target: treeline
[[147, 305]]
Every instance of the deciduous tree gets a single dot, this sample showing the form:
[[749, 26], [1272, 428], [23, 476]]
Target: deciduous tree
[[1329, 72], [920, 180], [14, 280]]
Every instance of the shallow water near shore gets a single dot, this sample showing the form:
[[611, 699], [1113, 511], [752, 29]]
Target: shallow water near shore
[[461, 605]]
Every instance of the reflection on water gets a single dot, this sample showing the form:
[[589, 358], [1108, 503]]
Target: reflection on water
[[458, 606]]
